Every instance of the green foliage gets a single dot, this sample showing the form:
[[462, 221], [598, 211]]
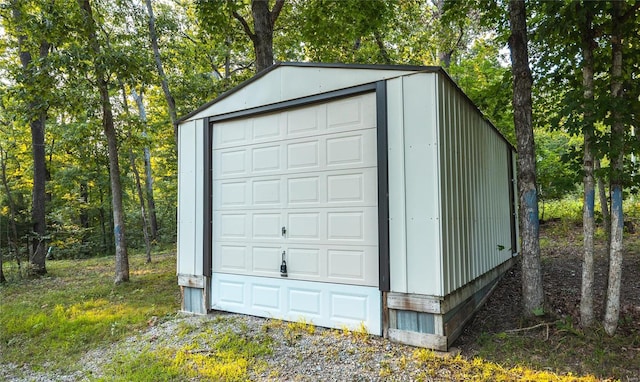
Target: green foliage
[[487, 81], [558, 164], [361, 23], [147, 365]]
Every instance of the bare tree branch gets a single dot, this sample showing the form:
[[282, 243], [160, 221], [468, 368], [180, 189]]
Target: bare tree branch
[[275, 12], [245, 25]]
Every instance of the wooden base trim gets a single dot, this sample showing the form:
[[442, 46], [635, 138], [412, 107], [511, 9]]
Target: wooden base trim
[[191, 281], [430, 341]]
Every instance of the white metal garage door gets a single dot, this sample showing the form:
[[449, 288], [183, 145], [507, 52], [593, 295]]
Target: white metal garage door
[[299, 184]]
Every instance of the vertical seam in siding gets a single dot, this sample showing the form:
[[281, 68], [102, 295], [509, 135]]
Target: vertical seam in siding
[[404, 189], [441, 150]]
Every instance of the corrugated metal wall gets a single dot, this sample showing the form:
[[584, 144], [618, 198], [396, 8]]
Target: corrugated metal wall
[[474, 188]]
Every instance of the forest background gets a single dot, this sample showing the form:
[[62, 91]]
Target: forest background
[[91, 92]]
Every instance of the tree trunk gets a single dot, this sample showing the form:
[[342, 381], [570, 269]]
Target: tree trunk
[[604, 205], [263, 31], [38, 214], [122, 260], [588, 221], [103, 225], [262, 35], [37, 125], [136, 174], [84, 196], [612, 311], [171, 103], [532, 289], [13, 240], [153, 220], [145, 232], [2, 278]]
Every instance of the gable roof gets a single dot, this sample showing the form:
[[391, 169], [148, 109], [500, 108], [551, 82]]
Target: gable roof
[[326, 77]]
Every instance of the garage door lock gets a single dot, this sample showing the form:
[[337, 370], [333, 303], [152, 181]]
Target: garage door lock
[[283, 266]]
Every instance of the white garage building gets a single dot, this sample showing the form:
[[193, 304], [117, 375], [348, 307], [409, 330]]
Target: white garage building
[[345, 195]]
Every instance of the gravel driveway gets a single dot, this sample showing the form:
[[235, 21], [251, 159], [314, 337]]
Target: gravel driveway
[[315, 355]]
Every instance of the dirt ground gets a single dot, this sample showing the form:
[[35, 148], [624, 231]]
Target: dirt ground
[[561, 252]]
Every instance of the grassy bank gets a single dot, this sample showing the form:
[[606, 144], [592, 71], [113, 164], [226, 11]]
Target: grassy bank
[[76, 307]]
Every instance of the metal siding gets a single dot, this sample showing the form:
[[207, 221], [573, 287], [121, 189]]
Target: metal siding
[[193, 300], [397, 197], [189, 189], [199, 198], [445, 183], [475, 202], [421, 181]]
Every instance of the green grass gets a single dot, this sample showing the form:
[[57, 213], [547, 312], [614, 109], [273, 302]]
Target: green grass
[[566, 347], [225, 356], [76, 307], [566, 350]]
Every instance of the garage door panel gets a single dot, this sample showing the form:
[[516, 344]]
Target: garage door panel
[[313, 172], [266, 260], [353, 187], [266, 297], [352, 226], [357, 149], [349, 307], [307, 121], [317, 154], [352, 113], [304, 225], [231, 293], [354, 265], [232, 163], [303, 190], [330, 305], [231, 226], [304, 301], [266, 225], [268, 127], [358, 265], [267, 193], [233, 194], [233, 258], [265, 159], [232, 133], [305, 263], [349, 114], [335, 225], [303, 155]]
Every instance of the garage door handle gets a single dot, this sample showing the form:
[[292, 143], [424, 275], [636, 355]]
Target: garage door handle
[[283, 266], [284, 231]]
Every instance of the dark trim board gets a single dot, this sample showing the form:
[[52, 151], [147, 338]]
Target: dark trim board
[[298, 102], [207, 265], [380, 88], [383, 187]]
